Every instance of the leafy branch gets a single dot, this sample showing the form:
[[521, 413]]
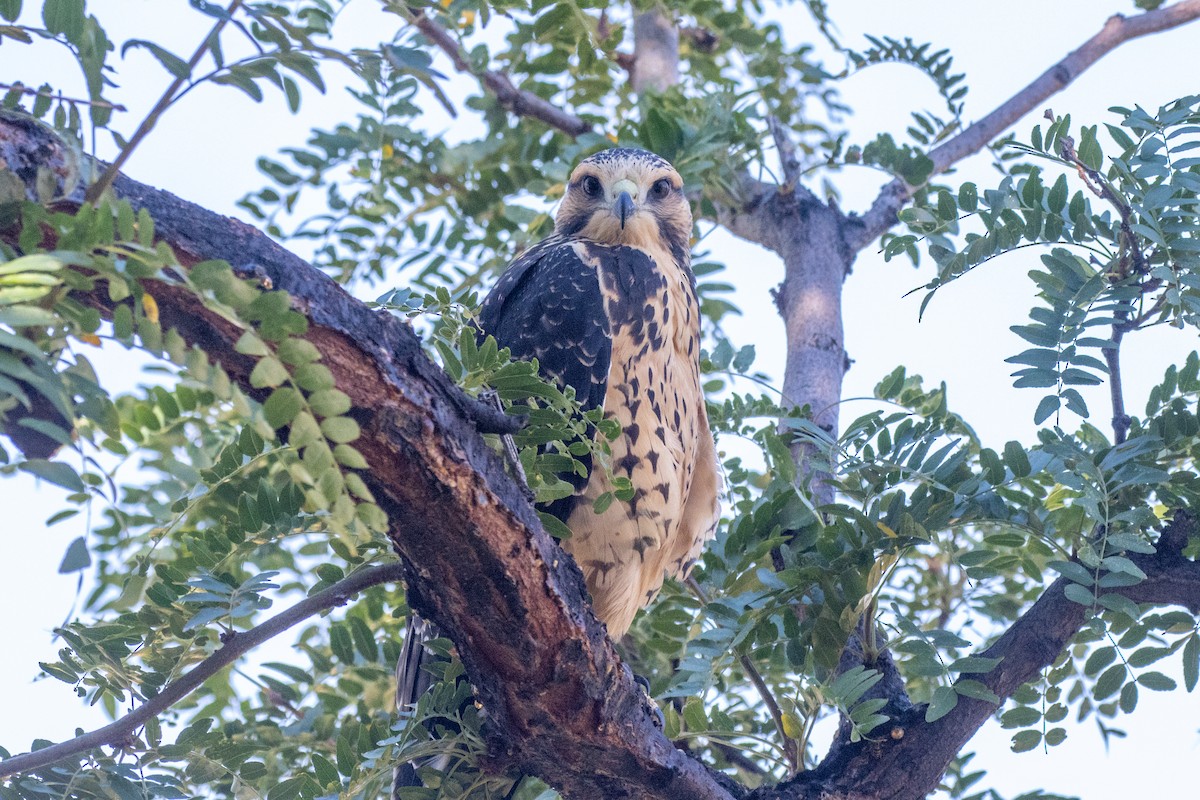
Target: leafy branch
[[518, 101], [110, 173], [234, 646], [1116, 31]]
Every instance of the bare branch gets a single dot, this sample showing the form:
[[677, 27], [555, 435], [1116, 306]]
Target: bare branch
[[787, 152], [105, 180], [1112, 358], [790, 750], [519, 102], [234, 647], [1116, 31]]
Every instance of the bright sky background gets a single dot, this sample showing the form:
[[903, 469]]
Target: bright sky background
[[204, 150]]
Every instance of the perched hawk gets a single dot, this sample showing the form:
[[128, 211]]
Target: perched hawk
[[607, 305]]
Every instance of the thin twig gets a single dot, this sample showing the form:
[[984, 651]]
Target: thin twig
[[235, 645], [110, 174], [790, 750], [1112, 357], [59, 96], [764, 691], [787, 152], [1117, 30], [518, 101]]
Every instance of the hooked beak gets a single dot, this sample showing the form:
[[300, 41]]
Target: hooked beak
[[624, 206]]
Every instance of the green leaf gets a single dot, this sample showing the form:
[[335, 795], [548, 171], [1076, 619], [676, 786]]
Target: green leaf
[[1110, 682], [1025, 741], [175, 65], [329, 402], [249, 344], [1100, 658], [76, 558], [1016, 459], [65, 17], [282, 406], [1045, 409], [966, 687], [1156, 682], [10, 9], [973, 664], [347, 456], [55, 472], [1129, 697], [693, 715], [1020, 717], [942, 703], [296, 351], [340, 430], [268, 373], [1191, 662]]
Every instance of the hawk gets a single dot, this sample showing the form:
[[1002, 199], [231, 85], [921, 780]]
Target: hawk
[[607, 305]]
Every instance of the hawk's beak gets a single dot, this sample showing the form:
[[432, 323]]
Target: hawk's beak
[[624, 207]]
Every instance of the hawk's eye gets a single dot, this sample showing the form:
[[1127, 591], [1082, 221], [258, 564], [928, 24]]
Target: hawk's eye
[[660, 189], [591, 186]]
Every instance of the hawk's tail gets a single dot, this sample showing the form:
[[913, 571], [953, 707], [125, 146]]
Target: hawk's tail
[[412, 681]]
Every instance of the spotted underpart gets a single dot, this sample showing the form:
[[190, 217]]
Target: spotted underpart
[[611, 309]]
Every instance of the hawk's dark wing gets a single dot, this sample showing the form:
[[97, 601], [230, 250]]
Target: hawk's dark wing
[[548, 306]]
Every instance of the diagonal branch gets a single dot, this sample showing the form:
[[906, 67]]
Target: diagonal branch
[[518, 101], [1117, 30], [914, 754], [235, 646]]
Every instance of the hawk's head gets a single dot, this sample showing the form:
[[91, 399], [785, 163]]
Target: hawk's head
[[627, 196]]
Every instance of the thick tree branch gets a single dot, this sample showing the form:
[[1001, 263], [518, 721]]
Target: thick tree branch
[[517, 101], [655, 64], [560, 703], [235, 646], [1116, 31], [910, 759]]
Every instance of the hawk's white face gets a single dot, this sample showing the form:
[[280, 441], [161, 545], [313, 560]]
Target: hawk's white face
[[626, 196]]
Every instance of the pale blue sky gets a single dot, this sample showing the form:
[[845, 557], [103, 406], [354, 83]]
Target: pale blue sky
[[205, 149]]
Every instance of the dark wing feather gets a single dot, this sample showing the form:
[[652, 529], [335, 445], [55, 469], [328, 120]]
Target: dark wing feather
[[548, 306]]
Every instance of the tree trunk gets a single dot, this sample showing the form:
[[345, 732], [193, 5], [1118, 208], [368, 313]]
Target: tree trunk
[[656, 52]]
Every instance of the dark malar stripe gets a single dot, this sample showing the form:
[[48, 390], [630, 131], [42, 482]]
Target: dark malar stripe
[[572, 226]]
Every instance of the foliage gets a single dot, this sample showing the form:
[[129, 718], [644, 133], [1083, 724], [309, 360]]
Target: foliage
[[237, 503]]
